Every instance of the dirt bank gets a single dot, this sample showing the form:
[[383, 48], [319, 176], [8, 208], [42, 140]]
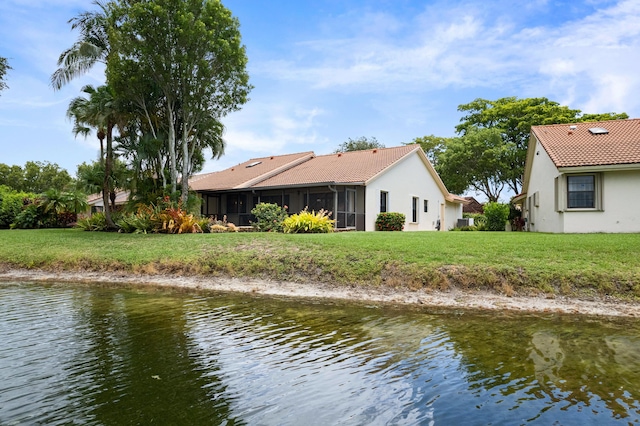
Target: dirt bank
[[449, 299]]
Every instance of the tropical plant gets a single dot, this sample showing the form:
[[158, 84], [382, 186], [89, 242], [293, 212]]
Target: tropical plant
[[100, 110], [308, 222], [269, 217], [92, 46], [11, 204], [95, 222], [390, 221]]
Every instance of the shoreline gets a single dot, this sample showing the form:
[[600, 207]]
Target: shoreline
[[454, 299]]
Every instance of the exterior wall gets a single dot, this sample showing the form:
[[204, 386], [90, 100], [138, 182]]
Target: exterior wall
[[453, 211], [405, 180], [620, 210], [540, 209]]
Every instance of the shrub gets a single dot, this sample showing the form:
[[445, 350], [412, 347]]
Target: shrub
[[269, 217], [96, 222], [390, 221], [497, 215], [11, 204], [308, 222]]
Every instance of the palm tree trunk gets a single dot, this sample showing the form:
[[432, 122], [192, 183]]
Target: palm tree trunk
[[107, 174]]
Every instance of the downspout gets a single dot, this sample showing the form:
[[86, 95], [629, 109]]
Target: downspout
[[335, 204]]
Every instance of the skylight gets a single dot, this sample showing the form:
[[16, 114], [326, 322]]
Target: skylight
[[598, 131], [255, 163]]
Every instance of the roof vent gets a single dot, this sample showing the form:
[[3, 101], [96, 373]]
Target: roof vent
[[573, 127], [255, 163], [375, 150], [598, 131]]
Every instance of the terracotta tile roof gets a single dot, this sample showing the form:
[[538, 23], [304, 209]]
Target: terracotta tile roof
[[346, 167], [573, 147], [248, 173]]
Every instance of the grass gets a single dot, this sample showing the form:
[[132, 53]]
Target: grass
[[505, 262]]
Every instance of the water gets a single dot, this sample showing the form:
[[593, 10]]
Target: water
[[108, 356]]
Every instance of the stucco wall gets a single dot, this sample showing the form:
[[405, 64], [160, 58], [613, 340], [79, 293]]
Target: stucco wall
[[406, 179], [621, 207], [544, 217]]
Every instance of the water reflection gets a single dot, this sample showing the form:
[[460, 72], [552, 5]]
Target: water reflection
[[75, 354]]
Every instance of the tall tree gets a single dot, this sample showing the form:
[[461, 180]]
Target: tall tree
[[477, 160], [100, 110], [192, 50], [432, 146], [360, 144], [513, 118], [92, 46], [4, 67]]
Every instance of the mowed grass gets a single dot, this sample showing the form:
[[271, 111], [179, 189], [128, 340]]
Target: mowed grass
[[506, 262]]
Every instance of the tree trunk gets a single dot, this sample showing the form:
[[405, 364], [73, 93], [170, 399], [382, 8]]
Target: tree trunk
[[172, 148], [186, 161], [107, 174]]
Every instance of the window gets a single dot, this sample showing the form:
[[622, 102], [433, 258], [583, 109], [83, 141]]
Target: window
[[426, 206], [414, 209], [581, 192], [384, 201]]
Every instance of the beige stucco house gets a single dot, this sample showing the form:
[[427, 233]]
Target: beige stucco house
[[583, 177], [354, 186]]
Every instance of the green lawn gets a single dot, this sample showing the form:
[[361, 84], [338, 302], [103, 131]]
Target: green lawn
[[506, 262]]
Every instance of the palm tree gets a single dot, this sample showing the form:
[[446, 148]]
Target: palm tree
[[99, 111], [92, 46]]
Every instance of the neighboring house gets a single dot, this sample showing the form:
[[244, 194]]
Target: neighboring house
[[96, 205], [472, 206], [354, 186], [583, 177]]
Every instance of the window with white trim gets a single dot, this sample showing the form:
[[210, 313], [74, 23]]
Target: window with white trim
[[414, 209]]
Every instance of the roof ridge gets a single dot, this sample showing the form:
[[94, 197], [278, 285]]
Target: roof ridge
[[361, 151]]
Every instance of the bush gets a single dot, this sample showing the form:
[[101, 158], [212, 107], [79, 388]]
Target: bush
[[269, 217], [11, 204], [96, 222], [308, 222], [390, 221], [497, 215]]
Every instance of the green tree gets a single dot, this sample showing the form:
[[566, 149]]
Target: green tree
[[101, 111], [4, 67], [432, 146], [513, 118], [35, 177], [360, 144], [476, 160], [12, 176], [192, 51]]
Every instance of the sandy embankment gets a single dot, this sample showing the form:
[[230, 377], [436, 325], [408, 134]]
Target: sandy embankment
[[449, 299]]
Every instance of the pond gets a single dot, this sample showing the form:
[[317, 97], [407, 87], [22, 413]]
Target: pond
[[78, 354]]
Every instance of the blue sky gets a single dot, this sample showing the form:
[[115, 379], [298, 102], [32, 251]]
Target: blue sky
[[328, 70]]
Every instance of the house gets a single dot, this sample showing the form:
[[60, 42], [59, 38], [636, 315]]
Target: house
[[583, 177], [354, 186], [472, 206], [96, 203]]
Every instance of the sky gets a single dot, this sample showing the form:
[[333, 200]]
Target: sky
[[325, 71]]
